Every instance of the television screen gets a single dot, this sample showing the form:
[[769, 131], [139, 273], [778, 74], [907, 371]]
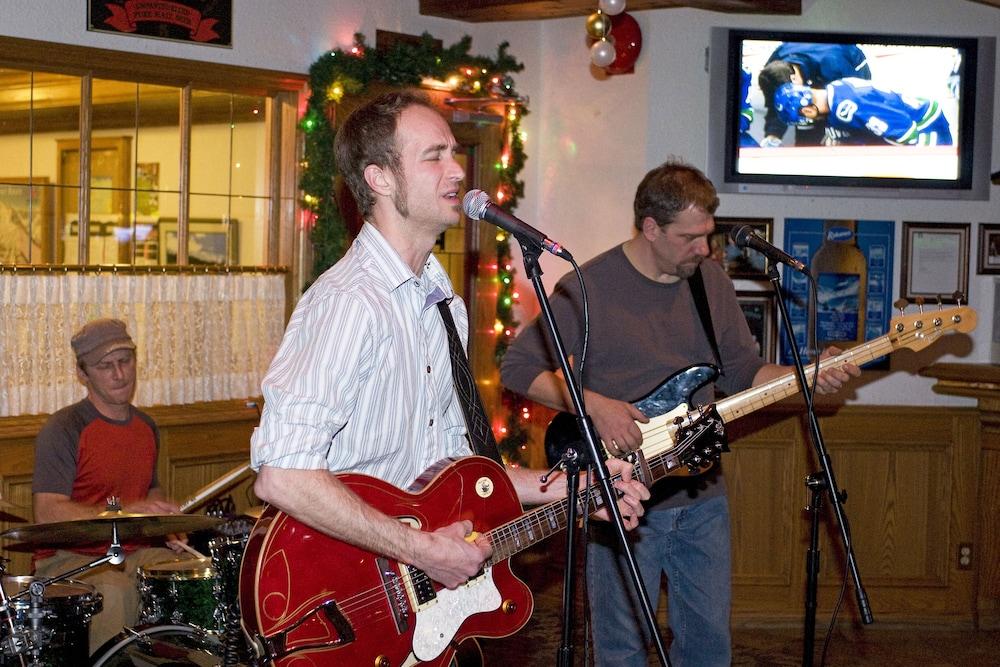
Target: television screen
[[848, 110]]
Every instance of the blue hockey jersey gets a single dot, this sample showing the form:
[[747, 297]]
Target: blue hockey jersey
[[856, 104]]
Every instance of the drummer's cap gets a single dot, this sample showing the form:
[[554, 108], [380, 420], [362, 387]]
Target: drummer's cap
[[98, 338]]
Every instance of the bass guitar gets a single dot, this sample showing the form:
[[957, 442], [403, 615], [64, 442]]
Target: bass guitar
[[668, 406]]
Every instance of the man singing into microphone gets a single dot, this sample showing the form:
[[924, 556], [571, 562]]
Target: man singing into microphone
[[362, 381], [645, 298]]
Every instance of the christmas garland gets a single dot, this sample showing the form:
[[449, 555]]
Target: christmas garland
[[339, 73]]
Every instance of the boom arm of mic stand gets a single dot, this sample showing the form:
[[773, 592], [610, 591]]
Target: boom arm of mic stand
[[833, 491], [593, 454]]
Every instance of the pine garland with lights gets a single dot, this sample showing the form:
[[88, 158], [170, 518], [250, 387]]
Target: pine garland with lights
[[339, 73]]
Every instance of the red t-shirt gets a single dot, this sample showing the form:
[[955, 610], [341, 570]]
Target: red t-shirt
[[82, 454]]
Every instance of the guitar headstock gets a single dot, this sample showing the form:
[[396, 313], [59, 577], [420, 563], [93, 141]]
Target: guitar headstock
[[918, 330]]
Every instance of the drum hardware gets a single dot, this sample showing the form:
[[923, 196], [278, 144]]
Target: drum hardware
[[47, 623]]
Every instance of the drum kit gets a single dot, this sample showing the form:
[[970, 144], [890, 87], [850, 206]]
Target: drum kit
[[189, 609]]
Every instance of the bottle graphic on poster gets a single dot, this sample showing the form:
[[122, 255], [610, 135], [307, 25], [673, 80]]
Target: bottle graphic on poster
[[841, 273]]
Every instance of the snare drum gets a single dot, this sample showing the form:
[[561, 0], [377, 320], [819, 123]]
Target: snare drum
[[62, 621], [180, 591], [160, 645]]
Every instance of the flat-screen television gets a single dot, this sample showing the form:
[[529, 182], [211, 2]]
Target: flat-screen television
[[850, 114]]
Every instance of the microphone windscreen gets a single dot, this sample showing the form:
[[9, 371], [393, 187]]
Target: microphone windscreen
[[740, 235], [474, 204]]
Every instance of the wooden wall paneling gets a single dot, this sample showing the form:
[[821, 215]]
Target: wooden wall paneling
[[192, 456], [987, 555], [17, 489], [899, 467], [765, 499], [16, 468]]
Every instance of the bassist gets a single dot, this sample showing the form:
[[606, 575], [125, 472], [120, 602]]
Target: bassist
[[645, 326]]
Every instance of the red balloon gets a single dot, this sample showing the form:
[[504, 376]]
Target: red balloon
[[628, 43]]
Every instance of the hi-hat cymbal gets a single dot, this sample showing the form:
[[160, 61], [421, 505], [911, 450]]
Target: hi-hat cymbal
[[99, 529]]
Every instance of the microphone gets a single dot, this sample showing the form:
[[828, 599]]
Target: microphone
[[744, 237], [477, 206]]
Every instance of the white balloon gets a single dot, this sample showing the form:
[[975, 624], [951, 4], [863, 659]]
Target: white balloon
[[602, 53], [612, 7]]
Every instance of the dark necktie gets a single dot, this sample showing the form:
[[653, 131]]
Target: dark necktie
[[480, 433]]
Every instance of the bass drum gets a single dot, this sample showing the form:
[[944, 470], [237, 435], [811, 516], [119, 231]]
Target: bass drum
[[160, 645]]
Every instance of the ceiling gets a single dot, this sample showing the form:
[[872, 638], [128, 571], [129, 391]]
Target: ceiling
[[476, 11]]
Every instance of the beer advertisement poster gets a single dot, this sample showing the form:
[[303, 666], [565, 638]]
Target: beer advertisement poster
[[851, 265]]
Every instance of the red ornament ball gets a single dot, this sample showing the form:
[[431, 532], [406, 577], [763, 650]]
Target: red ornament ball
[[628, 43]]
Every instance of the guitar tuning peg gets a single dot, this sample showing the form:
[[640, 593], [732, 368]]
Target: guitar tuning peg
[[958, 296], [920, 303], [900, 305], [940, 302]]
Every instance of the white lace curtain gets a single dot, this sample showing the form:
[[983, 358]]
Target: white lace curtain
[[200, 337]]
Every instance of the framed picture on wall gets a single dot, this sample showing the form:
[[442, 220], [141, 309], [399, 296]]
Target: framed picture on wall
[[989, 249], [935, 260], [740, 262], [759, 309], [210, 241]]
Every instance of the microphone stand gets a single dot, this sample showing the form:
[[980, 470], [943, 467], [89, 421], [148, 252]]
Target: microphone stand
[[592, 456], [817, 482]]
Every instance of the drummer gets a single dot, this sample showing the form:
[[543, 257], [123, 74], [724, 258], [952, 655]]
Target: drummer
[[100, 447]]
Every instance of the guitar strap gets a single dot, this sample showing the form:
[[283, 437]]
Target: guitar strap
[[476, 422], [697, 285]]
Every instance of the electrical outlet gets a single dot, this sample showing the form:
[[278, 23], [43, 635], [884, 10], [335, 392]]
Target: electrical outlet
[[965, 556]]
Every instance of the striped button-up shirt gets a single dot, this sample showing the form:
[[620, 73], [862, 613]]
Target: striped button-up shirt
[[362, 381]]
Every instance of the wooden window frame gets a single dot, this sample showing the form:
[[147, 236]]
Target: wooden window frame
[[283, 90]]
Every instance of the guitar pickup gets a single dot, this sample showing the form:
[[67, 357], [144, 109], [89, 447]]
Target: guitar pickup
[[419, 586]]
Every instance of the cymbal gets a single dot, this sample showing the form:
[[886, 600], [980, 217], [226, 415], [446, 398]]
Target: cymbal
[[99, 528], [17, 513]]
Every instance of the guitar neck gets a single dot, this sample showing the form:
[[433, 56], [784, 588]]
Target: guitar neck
[[540, 523], [780, 388]]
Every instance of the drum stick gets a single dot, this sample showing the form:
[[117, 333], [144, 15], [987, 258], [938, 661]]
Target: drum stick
[[215, 487], [190, 550]]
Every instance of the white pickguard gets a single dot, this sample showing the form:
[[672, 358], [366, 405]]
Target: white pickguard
[[437, 623]]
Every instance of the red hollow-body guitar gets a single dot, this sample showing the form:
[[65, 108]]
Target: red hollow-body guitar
[[308, 600]]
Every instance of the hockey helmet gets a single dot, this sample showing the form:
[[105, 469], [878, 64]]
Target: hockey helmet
[[789, 100]]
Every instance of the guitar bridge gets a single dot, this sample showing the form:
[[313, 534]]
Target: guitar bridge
[[277, 645], [395, 592]]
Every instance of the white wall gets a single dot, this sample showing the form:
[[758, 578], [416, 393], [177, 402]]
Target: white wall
[[598, 138], [590, 140]]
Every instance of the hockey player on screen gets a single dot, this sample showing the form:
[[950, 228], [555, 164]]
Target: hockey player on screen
[[813, 64], [856, 105]]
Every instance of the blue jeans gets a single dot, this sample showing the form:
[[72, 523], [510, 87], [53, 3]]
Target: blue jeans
[[691, 546]]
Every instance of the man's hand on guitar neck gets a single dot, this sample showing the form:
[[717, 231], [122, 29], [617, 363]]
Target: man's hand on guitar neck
[[831, 379], [615, 422]]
